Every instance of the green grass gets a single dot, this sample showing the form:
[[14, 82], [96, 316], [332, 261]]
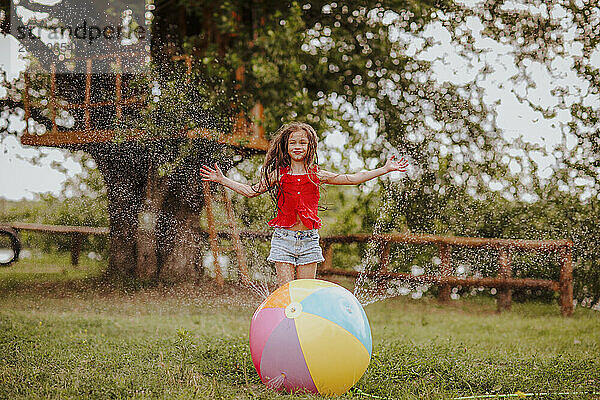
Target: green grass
[[42, 268], [65, 333]]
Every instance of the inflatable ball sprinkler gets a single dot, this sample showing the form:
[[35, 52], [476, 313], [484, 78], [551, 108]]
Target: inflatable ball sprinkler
[[310, 336]]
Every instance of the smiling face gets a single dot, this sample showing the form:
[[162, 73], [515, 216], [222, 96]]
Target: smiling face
[[298, 145]]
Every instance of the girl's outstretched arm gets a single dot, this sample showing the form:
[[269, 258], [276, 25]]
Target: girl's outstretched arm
[[216, 175], [354, 179]]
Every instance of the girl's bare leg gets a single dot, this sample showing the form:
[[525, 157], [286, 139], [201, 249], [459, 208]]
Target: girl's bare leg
[[285, 272], [307, 271]]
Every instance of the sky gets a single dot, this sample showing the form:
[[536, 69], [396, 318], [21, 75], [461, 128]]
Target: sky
[[20, 178]]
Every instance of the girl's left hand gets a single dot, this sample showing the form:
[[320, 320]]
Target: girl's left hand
[[396, 165]]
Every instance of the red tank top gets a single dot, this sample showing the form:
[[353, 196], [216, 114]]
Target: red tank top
[[298, 194]]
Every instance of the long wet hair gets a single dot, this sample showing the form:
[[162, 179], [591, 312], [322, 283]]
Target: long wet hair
[[278, 157]]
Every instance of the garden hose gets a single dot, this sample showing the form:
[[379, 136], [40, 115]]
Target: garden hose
[[518, 394]]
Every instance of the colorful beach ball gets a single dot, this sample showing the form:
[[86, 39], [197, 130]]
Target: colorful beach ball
[[310, 336]]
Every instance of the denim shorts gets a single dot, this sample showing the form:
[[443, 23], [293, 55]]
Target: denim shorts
[[295, 247]]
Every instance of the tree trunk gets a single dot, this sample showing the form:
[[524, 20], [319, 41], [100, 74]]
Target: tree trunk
[[147, 263], [154, 220], [180, 226], [183, 263], [124, 169]]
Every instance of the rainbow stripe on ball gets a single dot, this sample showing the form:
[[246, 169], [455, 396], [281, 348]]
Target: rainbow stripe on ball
[[310, 336]]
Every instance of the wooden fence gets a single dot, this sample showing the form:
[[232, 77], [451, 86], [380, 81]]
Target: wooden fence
[[504, 282], [446, 280], [77, 234]]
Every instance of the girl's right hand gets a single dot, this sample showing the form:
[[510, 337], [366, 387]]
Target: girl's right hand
[[209, 174]]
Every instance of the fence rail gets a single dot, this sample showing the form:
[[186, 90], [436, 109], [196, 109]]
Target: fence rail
[[504, 282], [77, 234], [445, 280]]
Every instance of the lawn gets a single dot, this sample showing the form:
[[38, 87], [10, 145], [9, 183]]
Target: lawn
[[66, 333]]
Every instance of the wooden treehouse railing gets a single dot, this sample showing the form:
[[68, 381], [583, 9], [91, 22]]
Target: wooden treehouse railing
[[445, 280], [245, 133]]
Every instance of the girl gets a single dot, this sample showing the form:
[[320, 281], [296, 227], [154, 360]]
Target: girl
[[291, 175]]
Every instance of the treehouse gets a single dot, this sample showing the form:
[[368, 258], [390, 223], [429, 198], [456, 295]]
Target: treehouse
[[154, 227], [80, 109]]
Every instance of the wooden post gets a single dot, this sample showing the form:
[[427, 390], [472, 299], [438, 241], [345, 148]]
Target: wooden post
[[257, 112], [384, 261], [76, 239], [239, 76], [328, 256], [188, 64], [566, 281], [53, 96], [446, 271], [237, 243], [385, 256], [88, 93], [212, 233], [26, 102], [504, 272], [118, 107]]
